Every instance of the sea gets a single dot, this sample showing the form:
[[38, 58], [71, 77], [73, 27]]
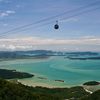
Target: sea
[[55, 71]]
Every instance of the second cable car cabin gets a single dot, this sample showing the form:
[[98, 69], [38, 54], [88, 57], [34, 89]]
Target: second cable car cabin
[[56, 26]]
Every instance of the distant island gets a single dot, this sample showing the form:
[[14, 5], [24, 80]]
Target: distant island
[[13, 74], [84, 58], [38, 54]]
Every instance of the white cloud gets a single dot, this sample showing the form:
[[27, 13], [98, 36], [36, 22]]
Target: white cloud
[[6, 13], [5, 24], [70, 20], [3, 14], [10, 12], [36, 42]]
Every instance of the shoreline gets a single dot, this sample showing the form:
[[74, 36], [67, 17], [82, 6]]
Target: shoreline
[[52, 87], [37, 84], [89, 89]]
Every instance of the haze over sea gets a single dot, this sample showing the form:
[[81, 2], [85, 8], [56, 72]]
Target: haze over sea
[[47, 70]]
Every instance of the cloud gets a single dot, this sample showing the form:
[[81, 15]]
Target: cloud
[[5, 24], [69, 20], [10, 12], [30, 43], [6, 13]]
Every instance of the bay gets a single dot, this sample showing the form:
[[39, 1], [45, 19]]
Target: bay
[[46, 71]]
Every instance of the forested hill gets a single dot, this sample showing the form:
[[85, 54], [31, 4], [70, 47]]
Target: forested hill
[[17, 91]]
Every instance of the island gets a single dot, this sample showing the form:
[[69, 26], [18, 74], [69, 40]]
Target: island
[[42, 78], [60, 80], [13, 74], [92, 83], [83, 58]]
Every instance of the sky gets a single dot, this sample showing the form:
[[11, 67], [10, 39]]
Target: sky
[[79, 30]]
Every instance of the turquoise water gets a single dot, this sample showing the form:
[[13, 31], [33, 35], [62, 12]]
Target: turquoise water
[[73, 72]]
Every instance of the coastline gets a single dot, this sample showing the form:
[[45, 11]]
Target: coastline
[[52, 87], [52, 84], [89, 89]]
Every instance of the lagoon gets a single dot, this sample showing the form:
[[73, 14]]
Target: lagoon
[[73, 72]]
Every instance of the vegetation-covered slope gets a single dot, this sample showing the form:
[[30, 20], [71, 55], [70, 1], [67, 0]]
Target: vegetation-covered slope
[[94, 96], [17, 91]]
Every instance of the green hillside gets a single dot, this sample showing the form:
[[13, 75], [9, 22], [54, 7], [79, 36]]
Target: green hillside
[[17, 91], [94, 96]]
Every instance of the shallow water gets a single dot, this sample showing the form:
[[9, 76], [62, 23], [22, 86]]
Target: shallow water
[[73, 72]]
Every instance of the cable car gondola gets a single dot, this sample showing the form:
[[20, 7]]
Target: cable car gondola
[[56, 26]]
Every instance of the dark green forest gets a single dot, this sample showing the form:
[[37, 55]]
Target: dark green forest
[[13, 74], [17, 91]]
